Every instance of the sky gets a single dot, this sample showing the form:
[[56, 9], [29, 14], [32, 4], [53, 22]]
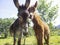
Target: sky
[[8, 9], [57, 20]]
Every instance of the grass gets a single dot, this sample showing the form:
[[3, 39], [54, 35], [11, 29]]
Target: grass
[[31, 40], [55, 40]]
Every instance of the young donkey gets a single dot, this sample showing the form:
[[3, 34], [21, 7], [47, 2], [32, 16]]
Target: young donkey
[[41, 29], [21, 23]]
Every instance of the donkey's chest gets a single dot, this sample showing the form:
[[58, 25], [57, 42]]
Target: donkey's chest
[[20, 29]]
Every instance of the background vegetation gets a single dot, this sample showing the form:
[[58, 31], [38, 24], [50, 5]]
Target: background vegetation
[[48, 14]]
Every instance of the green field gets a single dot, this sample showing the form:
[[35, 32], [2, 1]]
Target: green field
[[31, 40]]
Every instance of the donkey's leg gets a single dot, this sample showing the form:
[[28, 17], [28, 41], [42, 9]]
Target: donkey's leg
[[14, 38], [40, 37], [39, 40], [19, 39], [46, 39]]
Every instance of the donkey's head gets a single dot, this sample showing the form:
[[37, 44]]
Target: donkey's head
[[32, 9], [23, 12]]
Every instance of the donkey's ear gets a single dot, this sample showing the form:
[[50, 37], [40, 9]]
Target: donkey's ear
[[27, 3], [35, 4], [16, 3]]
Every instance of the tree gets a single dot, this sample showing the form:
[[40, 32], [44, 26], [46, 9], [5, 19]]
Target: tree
[[47, 11], [5, 25]]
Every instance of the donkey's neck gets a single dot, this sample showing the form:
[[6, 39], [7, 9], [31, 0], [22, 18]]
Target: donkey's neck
[[37, 20]]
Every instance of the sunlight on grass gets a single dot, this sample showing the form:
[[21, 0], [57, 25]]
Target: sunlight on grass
[[6, 41], [31, 40], [55, 40]]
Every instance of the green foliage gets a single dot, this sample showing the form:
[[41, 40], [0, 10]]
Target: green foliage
[[55, 32], [31, 31], [5, 24], [47, 11]]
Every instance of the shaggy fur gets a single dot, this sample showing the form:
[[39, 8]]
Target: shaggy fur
[[41, 29], [21, 23], [17, 29]]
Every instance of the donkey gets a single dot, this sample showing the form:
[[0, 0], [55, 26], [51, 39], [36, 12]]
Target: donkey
[[41, 29], [21, 23]]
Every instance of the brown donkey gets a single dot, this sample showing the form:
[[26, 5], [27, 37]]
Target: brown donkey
[[41, 29], [21, 23]]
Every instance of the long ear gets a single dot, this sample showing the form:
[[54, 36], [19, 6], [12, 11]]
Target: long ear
[[16, 3], [35, 4], [27, 3], [32, 8]]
